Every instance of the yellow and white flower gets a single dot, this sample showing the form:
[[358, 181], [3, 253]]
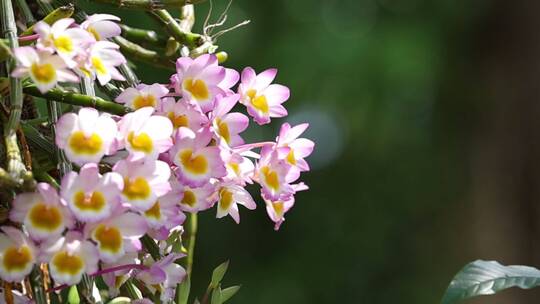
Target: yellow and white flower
[[43, 213], [87, 136], [69, 258], [43, 68], [17, 255]]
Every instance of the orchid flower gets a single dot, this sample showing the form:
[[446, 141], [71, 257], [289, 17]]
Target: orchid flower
[[197, 162], [17, 254], [87, 136], [262, 99], [190, 199], [230, 196], [102, 26], [117, 235], [102, 61], [143, 96], [67, 41], [45, 69], [43, 213], [69, 258], [183, 114], [90, 196], [228, 126], [144, 182], [145, 135], [296, 149], [201, 79]]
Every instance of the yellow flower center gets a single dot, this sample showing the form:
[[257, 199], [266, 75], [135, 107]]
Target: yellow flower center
[[141, 142], [259, 102], [63, 44], [142, 101], [45, 217], [109, 238], [154, 212], [235, 167], [197, 88], [225, 198], [178, 121], [81, 144], [93, 202], [99, 66], [43, 73], [271, 177], [196, 165], [290, 157], [136, 189], [94, 33], [67, 263], [17, 259], [278, 208], [189, 198], [223, 130]]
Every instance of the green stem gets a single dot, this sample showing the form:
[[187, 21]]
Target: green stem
[[137, 52], [25, 12], [15, 165], [143, 37], [189, 39], [192, 236], [36, 281], [78, 100], [63, 164], [151, 246], [149, 4]]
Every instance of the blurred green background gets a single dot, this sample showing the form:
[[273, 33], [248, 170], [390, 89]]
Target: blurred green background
[[425, 118]]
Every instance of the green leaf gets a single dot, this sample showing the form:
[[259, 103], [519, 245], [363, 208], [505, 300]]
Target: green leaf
[[120, 300], [216, 295], [73, 295], [182, 291], [228, 292], [218, 274], [489, 277]]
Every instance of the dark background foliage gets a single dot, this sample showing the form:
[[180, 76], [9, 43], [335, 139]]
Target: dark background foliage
[[425, 115]]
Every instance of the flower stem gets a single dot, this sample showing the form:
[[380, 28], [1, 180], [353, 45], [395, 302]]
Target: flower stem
[[151, 247], [36, 281], [149, 4], [143, 37], [189, 39], [76, 99], [137, 52], [192, 236]]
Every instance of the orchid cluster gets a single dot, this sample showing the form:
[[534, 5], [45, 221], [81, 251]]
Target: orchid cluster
[[178, 151], [66, 50]]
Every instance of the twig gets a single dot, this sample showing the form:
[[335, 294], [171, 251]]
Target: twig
[[137, 52], [189, 39], [143, 37], [149, 4], [78, 100]]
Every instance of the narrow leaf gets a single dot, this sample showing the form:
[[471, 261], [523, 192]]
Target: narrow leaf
[[182, 291], [216, 296], [228, 292], [73, 295], [218, 274], [489, 277]]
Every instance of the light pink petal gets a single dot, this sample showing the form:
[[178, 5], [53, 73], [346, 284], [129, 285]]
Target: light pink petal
[[248, 76], [276, 94], [26, 55], [278, 111], [237, 122], [265, 78], [61, 25], [230, 79]]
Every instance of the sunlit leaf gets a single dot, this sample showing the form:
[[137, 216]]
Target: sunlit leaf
[[218, 274], [73, 295], [228, 292], [489, 277], [216, 296]]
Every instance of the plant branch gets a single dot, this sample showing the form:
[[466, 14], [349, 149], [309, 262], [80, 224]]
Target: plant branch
[[149, 4], [76, 99], [137, 52], [191, 40], [192, 236], [143, 37]]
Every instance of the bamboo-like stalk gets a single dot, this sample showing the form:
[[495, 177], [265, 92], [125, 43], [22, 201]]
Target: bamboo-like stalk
[[77, 99], [15, 165], [149, 4], [137, 52], [25, 12], [146, 38], [189, 39], [192, 237], [63, 164]]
